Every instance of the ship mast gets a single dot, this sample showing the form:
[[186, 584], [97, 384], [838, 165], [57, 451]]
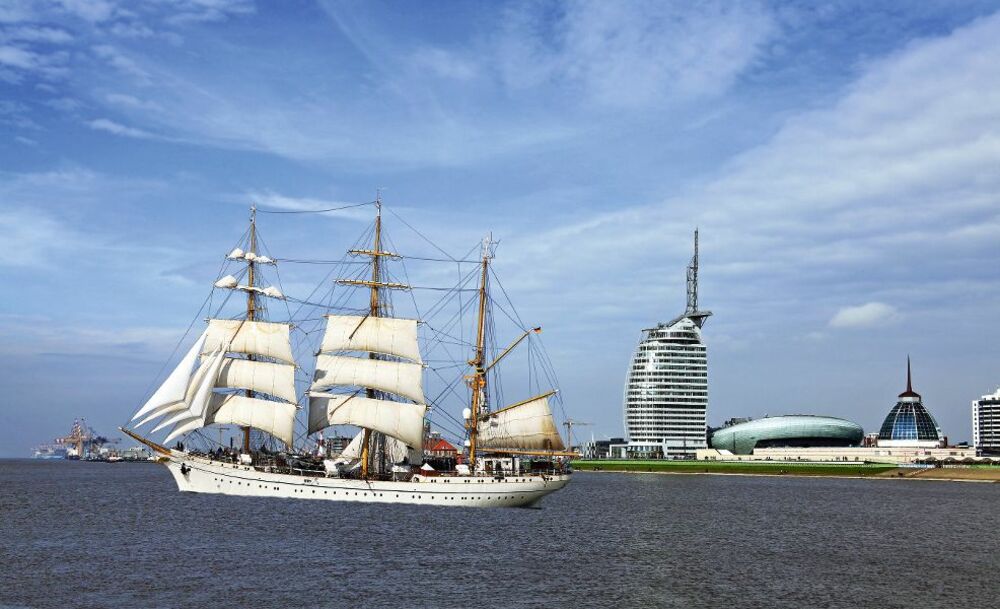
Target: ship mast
[[477, 381], [373, 311], [251, 305], [375, 308]]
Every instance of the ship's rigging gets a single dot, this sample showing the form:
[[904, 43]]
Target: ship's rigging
[[367, 369]]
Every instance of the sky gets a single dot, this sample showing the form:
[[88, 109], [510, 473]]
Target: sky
[[842, 163]]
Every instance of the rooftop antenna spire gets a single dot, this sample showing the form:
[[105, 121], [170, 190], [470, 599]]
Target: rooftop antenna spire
[[692, 311], [692, 279], [909, 393]]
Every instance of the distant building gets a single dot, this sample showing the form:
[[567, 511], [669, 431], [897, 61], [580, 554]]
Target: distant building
[[602, 449], [861, 454], [909, 424], [441, 448], [986, 423], [666, 390], [335, 445], [790, 431]]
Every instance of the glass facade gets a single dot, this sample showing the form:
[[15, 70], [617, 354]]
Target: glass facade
[[787, 431], [666, 392], [909, 420]]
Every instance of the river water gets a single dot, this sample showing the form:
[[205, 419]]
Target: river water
[[120, 535]]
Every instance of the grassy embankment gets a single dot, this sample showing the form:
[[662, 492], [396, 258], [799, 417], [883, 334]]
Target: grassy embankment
[[748, 467]]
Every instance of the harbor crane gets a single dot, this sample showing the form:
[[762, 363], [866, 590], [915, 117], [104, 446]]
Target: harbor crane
[[82, 439], [569, 424]]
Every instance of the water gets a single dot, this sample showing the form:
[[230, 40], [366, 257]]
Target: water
[[119, 535]]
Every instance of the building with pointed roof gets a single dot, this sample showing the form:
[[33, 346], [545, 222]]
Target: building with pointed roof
[[666, 390], [909, 424]]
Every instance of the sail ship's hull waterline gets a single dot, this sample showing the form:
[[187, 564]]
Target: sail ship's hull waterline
[[199, 475]]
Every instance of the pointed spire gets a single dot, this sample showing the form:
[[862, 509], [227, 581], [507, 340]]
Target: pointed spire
[[909, 393]]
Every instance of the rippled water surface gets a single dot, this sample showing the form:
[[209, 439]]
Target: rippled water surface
[[101, 535]]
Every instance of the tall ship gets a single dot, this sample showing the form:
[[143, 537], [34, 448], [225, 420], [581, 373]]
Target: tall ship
[[666, 389], [363, 366]]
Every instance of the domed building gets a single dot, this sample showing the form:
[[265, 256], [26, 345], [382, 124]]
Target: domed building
[[909, 424], [792, 431]]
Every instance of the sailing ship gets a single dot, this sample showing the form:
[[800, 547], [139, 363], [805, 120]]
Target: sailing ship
[[368, 372]]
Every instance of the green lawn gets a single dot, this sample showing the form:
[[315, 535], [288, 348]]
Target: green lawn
[[747, 467]]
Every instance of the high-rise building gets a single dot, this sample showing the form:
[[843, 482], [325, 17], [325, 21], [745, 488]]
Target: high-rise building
[[909, 424], [666, 390], [986, 423]]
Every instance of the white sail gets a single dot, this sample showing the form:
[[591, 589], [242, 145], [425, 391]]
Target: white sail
[[198, 406], [276, 418], [386, 335], [396, 419], [174, 389], [401, 378], [526, 425], [273, 379], [180, 409], [254, 337], [396, 449]]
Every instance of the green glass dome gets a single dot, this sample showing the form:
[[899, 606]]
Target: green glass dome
[[790, 430]]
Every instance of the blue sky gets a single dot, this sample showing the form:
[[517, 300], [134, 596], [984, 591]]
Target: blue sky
[[842, 162]]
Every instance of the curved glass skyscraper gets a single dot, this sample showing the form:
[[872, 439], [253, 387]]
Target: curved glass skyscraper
[[666, 390]]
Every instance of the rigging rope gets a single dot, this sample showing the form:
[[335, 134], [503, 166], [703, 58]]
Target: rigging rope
[[313, 211]]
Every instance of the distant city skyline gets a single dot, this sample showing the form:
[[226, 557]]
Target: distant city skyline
[[840, 162]]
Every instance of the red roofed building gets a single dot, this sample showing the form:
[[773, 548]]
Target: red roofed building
[[440, 447]]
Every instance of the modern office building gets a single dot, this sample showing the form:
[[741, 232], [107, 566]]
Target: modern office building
[[986, 424], [666, 390], [790, 431], [909, 424]]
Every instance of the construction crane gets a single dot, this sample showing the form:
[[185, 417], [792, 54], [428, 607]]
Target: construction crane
[[569, 424]]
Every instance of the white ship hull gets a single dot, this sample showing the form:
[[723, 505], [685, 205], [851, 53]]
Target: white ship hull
[[200, 475]]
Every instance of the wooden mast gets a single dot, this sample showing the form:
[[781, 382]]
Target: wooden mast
[[478, 380], [251, 305], [373, 311]]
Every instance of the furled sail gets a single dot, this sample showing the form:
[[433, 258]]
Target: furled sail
[[264, 377], [276, 418], [385, 335], [396, 419], [262, 338], [527, 425], [401, 378], [174, 389]]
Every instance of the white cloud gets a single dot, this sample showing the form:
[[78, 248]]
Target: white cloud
[[17, 57], [103, 124], [30, 236], [31, 33], [898, 173], [630, 54], [864, 316], [118, 60], [93, 11], [130, 101]]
